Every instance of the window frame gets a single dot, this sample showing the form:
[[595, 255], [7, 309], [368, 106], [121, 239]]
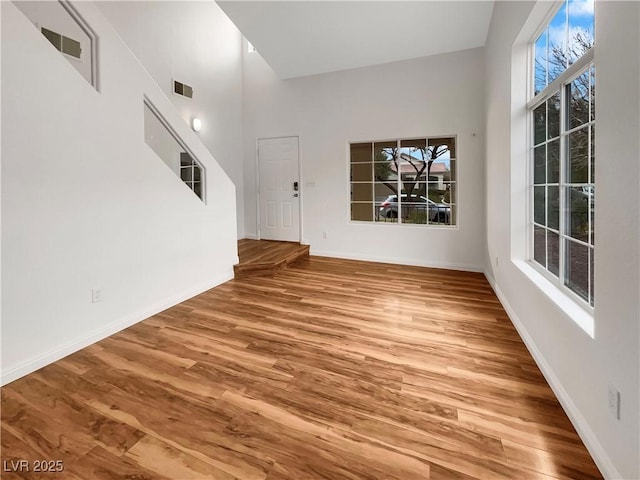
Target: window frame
[[582, 65], [455, 183], [195, 161]]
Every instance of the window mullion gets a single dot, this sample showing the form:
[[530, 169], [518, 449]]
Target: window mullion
[[546, 73], [546, 185], [531, 184], [399, 180], [591, 186], [426, 186], [373, 182], [561, 182]]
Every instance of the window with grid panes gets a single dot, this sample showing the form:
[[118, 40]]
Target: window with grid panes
[[562, 113], [404, 181]]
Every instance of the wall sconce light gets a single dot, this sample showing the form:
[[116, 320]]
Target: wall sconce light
[[196, 124]]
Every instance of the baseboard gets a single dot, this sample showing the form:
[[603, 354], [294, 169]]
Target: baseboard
[[600, 457], [249, 236], [490, 279], [396, 260], [62, 351]]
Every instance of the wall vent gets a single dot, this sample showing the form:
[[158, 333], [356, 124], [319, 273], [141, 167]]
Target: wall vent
[[63, 44], [182, 89]]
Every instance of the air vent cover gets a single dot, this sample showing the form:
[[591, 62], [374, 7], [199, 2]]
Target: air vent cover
[[182, 89]]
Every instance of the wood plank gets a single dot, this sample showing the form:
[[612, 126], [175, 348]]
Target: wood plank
[[15, 452], [558, 463], [307, 441], [163, 459], [99, 464], [266, 258], [71, 429], [267, 251], [321, 371]]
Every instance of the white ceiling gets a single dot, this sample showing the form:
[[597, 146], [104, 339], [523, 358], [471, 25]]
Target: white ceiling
[[300, 38]]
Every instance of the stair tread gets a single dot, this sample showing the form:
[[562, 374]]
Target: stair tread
[[266, 257]]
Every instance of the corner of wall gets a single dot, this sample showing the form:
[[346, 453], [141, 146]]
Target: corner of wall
[[588, 436]]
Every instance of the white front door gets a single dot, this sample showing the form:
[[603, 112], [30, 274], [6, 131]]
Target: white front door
[[279, 193]]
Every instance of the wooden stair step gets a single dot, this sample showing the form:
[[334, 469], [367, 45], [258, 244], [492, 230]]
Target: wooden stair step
[[265, 257]]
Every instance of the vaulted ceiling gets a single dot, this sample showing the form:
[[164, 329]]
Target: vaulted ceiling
[[299, 38]]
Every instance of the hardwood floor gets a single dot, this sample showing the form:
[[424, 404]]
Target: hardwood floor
[[331, 369], [265, 257]]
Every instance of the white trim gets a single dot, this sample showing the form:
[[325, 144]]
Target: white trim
[[404, 225], [572, 72], [490, 279], [39, 361], [551, 9], [455, 182], [300, 194], [595, 448], [250, 236], [559, 296], [257, 170], [396, 260], [86, 28]]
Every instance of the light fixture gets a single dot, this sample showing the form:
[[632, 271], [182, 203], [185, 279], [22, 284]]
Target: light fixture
[[196, 124]]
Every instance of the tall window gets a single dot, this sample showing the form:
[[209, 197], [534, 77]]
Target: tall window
[[411, 181], [562, 113]]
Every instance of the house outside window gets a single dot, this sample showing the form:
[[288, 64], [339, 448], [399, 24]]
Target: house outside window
[[562, 114]]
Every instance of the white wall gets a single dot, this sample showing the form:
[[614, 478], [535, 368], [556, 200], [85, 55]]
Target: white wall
[[86, 203], [579, 368], [161, 141], [438, 95], [195, 43]]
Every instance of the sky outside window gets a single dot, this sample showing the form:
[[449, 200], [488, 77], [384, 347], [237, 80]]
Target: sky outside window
[[569, 34]]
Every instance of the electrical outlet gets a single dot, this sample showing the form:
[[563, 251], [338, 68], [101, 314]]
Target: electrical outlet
[[614, 402], [96, 295], [324, 235]]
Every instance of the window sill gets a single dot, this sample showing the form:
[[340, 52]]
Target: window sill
[[407, 225], [574, 311]]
